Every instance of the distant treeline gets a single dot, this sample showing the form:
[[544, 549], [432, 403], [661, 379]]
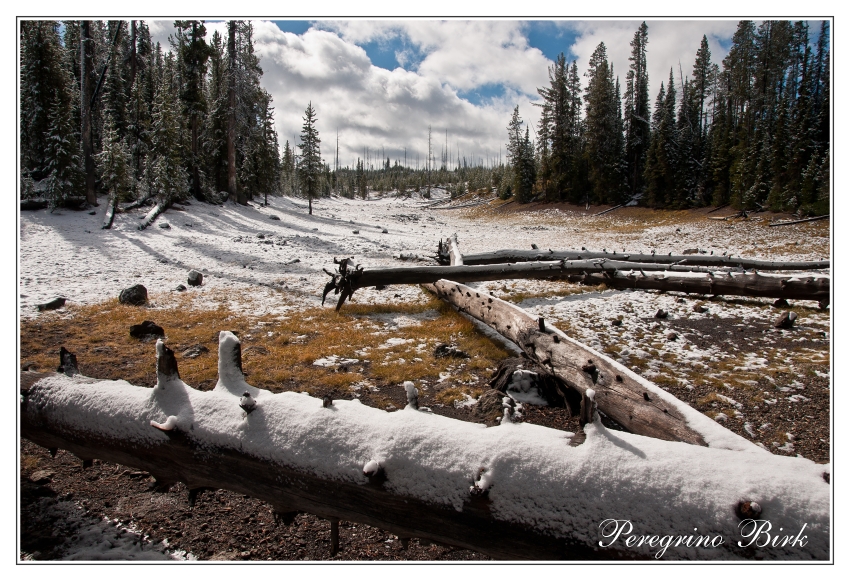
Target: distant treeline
[[103, 110], [753, 133]]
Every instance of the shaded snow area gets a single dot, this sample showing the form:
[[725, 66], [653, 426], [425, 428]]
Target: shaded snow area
[[90, 539], [666, 487]]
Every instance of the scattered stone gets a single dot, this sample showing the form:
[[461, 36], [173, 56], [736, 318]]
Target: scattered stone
[[748, 509], [195, 351], [384, 231], [195, 278], [56, 303], [146, 328], [355, 231], [181, 287], [444, 350], [165, 225], [42, 476], [700, 308], [786, 320], [617, 322], [672, 336], [660, 314], [163, 260], [680, 300], [273, 217], [780, 304], [135, 295], [261, 236], [92, 213]]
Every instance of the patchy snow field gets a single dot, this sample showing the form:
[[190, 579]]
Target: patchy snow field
[[769, 386]]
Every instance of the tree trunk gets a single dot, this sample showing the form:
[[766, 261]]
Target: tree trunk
[[826, 217], [86, 51], [542, 500], [110, 213], [691, 279], [153, 214], [232, 187], [504, 256], [619, 393]]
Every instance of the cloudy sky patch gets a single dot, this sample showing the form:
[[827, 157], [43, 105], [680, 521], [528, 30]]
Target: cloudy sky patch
[[381, 83]]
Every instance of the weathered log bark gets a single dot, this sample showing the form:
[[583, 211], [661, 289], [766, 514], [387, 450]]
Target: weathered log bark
[[110, 213], [826, 217], [692, 279], [506, 256], [618, 394], [799, 287], [153, 214]]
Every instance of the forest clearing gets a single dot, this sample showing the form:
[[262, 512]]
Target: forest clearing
[[262, 280]]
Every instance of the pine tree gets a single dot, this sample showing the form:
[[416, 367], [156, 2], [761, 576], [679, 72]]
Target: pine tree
[[310, 164], [637, 114], [113, 164], [168, 176], [62, 161]]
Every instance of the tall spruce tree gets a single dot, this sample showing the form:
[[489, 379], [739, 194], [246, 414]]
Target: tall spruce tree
[[310, 164], [637, 112]]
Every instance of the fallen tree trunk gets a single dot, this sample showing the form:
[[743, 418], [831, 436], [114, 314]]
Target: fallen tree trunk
[[826, 217], [755, 284], [110, 213], [688, 279], [153, 214], [506, 256], [516, 491], [603, 212], [618, 394]]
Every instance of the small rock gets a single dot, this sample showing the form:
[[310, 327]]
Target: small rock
[[195, 351], [749, 509], [42, 476], [617, 322], [672, 336], [691, 250], [165, 225], [135, 295], [181, 287], [384, 231], [680, 300], [780, 304], [56, 303], [273, 217], [195, 278], [785, 320], [146, 328], [699, 308], [261, 236], [355, 231], [660, 314], [163, 260], [92, 213], [444, 350]]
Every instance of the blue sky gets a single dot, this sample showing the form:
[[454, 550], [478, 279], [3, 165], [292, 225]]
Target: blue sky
[[382, 83]]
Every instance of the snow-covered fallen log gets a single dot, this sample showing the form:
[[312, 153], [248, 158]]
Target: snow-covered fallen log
[[153, 214], [109, 216], [506, 256], [516, 491]]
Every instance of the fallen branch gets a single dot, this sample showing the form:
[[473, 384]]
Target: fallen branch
[[826, 217], [720, 207], [503, 256], [153, 214], [109, 216], [516, 491], [609, 210]]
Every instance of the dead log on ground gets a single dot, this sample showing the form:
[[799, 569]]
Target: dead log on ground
[[619, 394], [515, 491], [720, 207], [670, 277], [153, 214], [603, 212], [826, 217], [752, 284], [504, 256]]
